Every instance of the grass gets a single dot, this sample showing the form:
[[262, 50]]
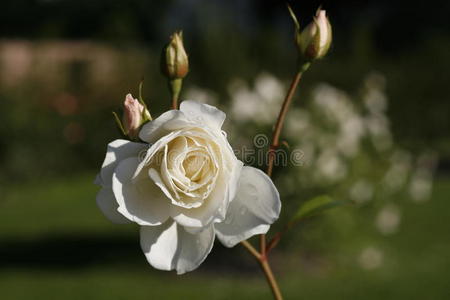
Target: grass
[[55, 244]]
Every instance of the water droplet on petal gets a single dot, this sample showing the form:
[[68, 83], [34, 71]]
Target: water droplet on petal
[[252, 193], [243, 210]]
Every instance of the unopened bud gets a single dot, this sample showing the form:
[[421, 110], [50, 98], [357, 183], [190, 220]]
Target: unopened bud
[[174, 60], [315, 40], [134, 115]]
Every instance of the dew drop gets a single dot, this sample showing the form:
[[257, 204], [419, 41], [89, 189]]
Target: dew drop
[[229, 219], [243, 210], [252, 193]]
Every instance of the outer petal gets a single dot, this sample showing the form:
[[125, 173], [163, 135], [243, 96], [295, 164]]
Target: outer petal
[[256, 206], [167, 122], [203, 113], [98, 180], [108, 205], [170, 247], [117, 151], [139, 199]]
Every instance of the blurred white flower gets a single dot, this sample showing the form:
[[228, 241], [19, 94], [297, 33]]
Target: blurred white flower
[[244, 103], [421, 184], [378, 127], [397, 175], [375, 101], [420, 188], [388, 219], [333, 103], [201, 95], [308, 150], [361, 191], [375, 80], [370, 258], [330, 167], [260, 105], [297, 123], [350, 134], [269, 88], [374, 98], [332, 132]]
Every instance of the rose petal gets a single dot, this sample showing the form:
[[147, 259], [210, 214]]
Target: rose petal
[[139, 199], [203, 113], [256, 206], [98, 180], [170, 247], [117, 151], [108, 205], [167, 122], [215, 207]]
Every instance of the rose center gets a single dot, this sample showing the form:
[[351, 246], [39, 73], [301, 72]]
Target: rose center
[[194, 165]]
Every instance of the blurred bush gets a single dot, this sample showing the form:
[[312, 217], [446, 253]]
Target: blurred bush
[[61, 77], [336, 144]]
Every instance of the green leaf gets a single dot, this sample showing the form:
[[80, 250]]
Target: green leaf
[[314, 206]]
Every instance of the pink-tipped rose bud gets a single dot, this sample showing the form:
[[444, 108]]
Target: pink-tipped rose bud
[[134, 116], [315, 40], [174, 60]]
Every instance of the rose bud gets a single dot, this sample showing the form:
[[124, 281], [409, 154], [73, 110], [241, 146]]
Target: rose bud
[[134, 115], [174, 60], [315, 40]]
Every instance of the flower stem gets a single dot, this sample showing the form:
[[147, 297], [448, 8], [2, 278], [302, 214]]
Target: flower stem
[[262, 255], [175, 89], [264, 249], [251, 249], [265, 266], [270, 278], [281, 116]]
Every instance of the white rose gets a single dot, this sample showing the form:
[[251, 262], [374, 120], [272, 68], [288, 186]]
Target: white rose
[[185, 187]]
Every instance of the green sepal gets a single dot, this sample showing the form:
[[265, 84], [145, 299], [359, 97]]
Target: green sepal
[[145, 118], [119, 124], [294, 17]]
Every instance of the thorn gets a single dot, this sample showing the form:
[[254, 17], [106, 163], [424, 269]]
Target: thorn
[[284, 143]]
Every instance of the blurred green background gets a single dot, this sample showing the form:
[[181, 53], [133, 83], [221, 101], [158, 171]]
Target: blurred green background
[[65, 65]]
